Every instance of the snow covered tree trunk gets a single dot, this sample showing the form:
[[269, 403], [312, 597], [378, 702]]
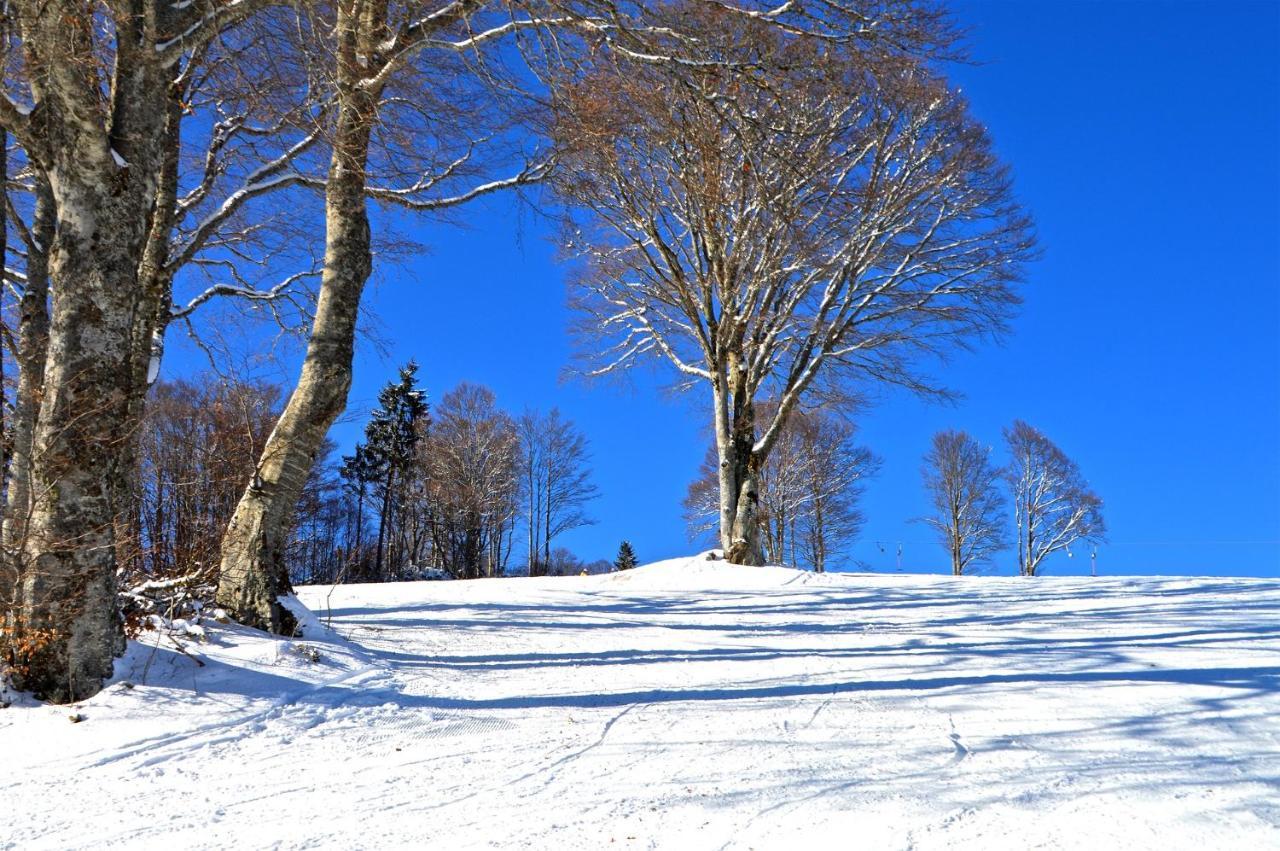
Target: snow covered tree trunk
[[254, 574]]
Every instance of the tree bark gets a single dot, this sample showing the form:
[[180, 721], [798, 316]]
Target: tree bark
[[83, 427], [102, 159], [33, 343], [254, 574], [739, 469], [744, 541]]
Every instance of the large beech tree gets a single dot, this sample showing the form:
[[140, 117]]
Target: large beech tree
[[91, 96], [428, 78], [422, 143], [797, 217]]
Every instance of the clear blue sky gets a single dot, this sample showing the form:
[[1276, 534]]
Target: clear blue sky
[[1144, 139]]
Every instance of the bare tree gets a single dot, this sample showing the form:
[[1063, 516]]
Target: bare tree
[[800, 219], [321, 536], [197, 441], [830, 516], [419, 70], [472, 456], [92, 111], [431, 132], [810, 488], [1052, 503], [556, 479], [968, 508]]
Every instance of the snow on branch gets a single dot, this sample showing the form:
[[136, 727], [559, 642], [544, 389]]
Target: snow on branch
[[533, 172], [240, 291], [197, 27], [268, 177], [785, 229]]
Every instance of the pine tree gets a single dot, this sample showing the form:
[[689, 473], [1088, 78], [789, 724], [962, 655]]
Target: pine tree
[[390, 440], [626, 557]]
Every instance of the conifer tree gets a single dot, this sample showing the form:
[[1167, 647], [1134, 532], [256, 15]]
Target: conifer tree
[[390, 440], [626, 557]]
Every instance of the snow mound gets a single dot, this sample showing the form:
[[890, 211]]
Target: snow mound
[[694, 572]]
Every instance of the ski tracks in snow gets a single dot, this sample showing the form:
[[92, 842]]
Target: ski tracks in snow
[[329, 695], [694, 706]]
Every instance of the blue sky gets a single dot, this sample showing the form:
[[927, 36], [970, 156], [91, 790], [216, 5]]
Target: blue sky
[[1144, 139]]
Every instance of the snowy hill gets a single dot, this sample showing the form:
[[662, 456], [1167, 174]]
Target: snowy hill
[[687, 704]]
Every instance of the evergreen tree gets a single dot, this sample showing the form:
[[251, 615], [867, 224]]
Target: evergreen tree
[[626, 557], [390, 440]]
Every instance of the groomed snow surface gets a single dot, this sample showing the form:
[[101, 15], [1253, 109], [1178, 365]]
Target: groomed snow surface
[[687, 704]]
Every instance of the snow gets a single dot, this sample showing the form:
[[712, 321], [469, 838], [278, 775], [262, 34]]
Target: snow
[[687, 704], [20, 108]]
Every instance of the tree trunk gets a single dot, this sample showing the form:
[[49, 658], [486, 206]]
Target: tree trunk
[[379, 569], [82, 431], [359, 520], [33, 343], [254, 574], [819, 537], [150, 322], [533, 523], [725, 471], [546, 526], [744, 542], [739, 476], [102, 158]]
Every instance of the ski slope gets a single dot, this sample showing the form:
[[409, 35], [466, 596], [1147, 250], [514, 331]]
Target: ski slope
[[687, 704]]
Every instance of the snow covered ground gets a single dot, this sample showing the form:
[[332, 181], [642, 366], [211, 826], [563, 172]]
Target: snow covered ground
[[686, 704]]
